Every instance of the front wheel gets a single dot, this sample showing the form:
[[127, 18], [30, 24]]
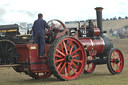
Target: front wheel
[[90, 66], [115, 62], [66, 58]]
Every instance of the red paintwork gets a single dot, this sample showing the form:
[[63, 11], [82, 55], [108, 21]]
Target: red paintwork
[[92, 52], [93, 45], [29, 54], [96, 31]]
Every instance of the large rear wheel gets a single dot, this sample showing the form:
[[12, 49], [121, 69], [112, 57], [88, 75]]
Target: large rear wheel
[[66, 58], [115, 61]]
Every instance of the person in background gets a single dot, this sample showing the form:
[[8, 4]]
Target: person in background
[[39, 33]]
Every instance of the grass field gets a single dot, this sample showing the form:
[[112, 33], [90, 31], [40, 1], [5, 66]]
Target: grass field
[[101, 75]]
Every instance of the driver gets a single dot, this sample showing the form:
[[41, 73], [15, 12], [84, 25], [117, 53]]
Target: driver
[[39, 33]]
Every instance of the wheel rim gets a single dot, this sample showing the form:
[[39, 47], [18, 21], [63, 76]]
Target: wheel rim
[[40, 75], [117, 61], [52, 25], [56, 26], [90, 66], [62, 24], [69, 58]]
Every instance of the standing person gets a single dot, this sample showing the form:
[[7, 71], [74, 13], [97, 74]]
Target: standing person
[[39, 33]]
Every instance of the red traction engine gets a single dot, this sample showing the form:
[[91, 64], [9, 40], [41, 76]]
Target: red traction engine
[[68, 52]]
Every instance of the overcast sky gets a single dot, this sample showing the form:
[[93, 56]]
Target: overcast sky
[[15, 11]]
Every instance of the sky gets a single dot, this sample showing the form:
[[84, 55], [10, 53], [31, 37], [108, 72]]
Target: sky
[[15, 11]]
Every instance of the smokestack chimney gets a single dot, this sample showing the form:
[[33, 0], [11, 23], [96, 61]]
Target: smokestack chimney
[[99, 18]]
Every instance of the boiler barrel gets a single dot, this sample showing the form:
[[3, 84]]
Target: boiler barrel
[[93, 45]]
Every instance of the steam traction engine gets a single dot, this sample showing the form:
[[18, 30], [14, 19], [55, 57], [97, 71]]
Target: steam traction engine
[[66, 52]]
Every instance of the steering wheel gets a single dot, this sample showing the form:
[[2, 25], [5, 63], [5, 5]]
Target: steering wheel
[[56, 26]]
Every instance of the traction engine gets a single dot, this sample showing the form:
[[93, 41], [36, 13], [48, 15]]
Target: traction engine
[[68, 52]]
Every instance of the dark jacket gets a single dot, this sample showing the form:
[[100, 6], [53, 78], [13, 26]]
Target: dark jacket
[[39, 26]]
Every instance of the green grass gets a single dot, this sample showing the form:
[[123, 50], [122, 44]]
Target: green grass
[[99, 77]]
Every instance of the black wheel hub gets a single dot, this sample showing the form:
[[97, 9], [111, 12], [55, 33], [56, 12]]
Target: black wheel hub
[[69, 58], [117, 61]]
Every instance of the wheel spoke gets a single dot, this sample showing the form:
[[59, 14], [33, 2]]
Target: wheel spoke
[[59, 65], [59, 60], [75, 65], [65, 47], [71, 49], [113, 65], [75, 51], [118, 57], [69, 45], [80, 61], [117, 66], [68, 70], [63, 67], [10, 49], [6, 47], [75, 56], [56, 55], [62, 47], [60, 52], [73, 69]]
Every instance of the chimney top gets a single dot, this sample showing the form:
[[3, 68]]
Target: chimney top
[[99, 8]]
